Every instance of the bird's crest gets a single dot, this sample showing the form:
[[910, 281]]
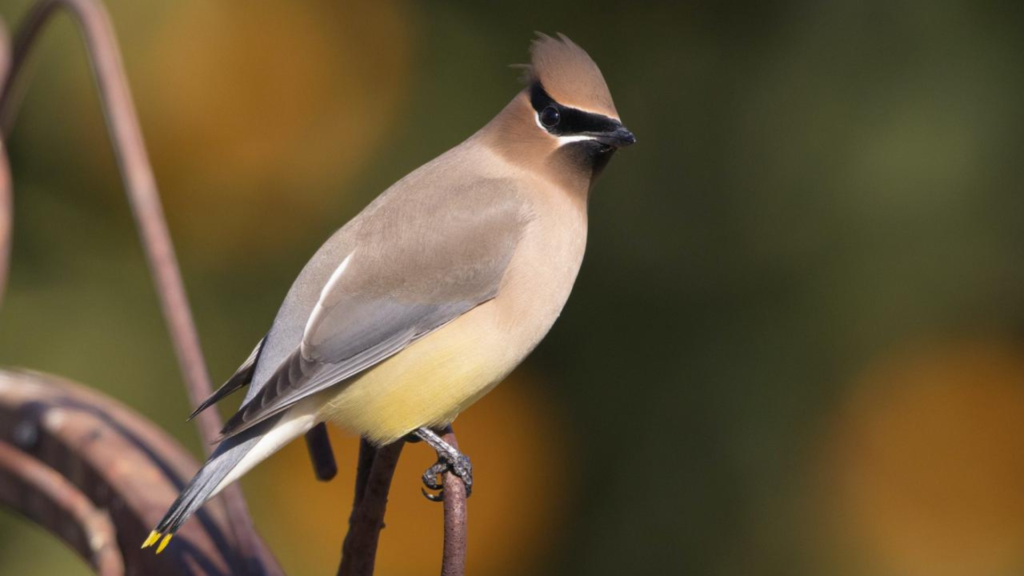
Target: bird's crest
[[568, 75]]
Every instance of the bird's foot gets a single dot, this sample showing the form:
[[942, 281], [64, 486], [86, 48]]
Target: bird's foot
[[449, 459], [460, 466]]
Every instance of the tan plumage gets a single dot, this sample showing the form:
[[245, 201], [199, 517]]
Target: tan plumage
[[569, 75], [434, 379], [439, 288]]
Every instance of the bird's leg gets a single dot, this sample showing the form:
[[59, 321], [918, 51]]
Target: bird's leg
[[449, 459]]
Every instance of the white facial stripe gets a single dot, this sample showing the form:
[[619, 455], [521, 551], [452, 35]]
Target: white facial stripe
[[318, 310], [562, 140], [536, 119]]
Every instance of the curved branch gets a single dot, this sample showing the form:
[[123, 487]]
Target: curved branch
[[119, 462], [44, 496], [140, 184], [107, 481]]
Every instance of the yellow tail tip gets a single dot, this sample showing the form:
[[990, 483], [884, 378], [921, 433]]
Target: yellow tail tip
[[153, 537], [163, 543]]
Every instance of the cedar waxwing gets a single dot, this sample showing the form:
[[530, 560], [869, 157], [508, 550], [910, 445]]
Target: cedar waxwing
[[440, 287]]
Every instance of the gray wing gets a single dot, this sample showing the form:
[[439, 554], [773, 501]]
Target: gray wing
[[240, 378], [413, 261]]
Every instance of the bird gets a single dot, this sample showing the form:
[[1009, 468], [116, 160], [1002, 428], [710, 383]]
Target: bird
[[435, 291]]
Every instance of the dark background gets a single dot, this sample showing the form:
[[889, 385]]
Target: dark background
[[795, 344]]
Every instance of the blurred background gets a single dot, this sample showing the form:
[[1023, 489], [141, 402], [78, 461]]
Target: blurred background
[[797, 342]]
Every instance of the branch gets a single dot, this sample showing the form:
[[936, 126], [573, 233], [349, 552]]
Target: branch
[[40, 493], [373, 481], [140, 185], [133, 161], [453, 562], [6, 195], [76, 451], [108, 481], [325, 467]]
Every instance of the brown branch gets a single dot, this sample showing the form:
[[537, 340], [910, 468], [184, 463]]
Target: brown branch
[[373, 479], [359, 550], [319, 445], [140, 184], [41, 494], [6, 216], [453, 561], [119, 462], [133, 162], [367, 452], [6, 195], [119, 488]]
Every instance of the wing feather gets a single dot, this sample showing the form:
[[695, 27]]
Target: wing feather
[[242, 377], [413, 266]]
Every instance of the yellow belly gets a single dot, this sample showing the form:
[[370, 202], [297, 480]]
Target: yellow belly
[[427, 384], [432, 381]]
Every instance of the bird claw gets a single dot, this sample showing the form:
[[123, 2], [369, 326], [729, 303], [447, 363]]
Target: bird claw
[[439, 497], [431, 475], [458, 464]]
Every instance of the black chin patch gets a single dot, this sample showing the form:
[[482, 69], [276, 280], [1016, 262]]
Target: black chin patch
[[588, 156]]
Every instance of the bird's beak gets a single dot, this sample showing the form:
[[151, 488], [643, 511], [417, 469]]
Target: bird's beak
[[619, 137]]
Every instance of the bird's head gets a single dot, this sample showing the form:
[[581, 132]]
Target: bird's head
[[565, 118]]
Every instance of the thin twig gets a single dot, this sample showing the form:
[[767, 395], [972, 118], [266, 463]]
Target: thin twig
[[359, 550], [453, 561], [140, 184], [133, 161], [6, 217], [325, 467], [6, 195]]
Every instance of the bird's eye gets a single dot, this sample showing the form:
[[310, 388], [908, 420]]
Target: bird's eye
[[550, 117]]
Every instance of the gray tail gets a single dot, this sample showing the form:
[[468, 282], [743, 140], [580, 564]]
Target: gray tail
[[205, 482]]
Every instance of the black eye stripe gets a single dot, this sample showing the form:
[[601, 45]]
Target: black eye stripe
[[572, 121], [539, 99]]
